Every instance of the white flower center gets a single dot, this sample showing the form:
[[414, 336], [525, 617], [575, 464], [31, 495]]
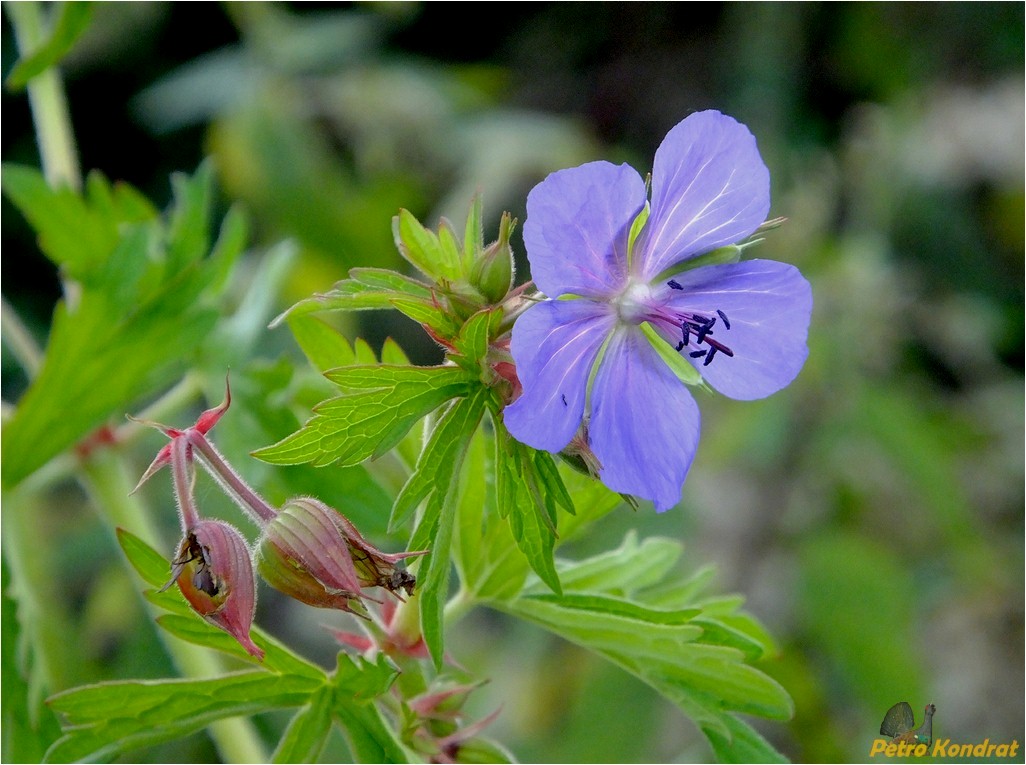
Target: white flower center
[[633, 305]]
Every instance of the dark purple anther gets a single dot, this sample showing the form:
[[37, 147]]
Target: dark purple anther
[[698, 354], [726, 322], [680, 345], [673, 285], [709, 358]]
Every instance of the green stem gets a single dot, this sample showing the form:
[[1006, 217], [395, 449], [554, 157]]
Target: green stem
[[20, 340], [460, 605], [108, 484], [57, 152]]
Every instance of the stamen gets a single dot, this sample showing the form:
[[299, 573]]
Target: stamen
[[702, 327], [674, 285]]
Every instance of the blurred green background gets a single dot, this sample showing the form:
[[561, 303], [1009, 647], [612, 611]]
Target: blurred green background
[[872, 513]]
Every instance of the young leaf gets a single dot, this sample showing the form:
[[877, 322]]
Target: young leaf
[[365, 289]]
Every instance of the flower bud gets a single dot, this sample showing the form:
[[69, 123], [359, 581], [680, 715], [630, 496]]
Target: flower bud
[[492, 272], [214, 573], [303, 554], [313, 553]]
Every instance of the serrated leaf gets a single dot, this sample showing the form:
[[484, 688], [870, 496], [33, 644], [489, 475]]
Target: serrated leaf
[[472, 342], [741, 743], [188, 235], [358, 682], [110, 719], [552, 482], [620, 607], [473, 235], [439, 462], [72, 233], [436, 479], [423, 249], [429, 314], [535, 535], [628, 568], [322, 344], [277, 658], [365, 289], [307, 732], [385, 404], [139, 314], [72, 20]]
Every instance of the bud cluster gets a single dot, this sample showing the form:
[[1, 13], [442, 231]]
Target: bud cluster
[[306, 549]]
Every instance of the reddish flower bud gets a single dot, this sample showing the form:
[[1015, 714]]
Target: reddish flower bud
[[214, 573], [313, 553], [302, 553]]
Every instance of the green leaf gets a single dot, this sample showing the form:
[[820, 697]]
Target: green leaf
[[140, 313], [436, 479], [472, 342], [523, 499], [627, 569], [423, 249], [277, 658], [430, 314], [439, 463], [384, 404], [357, 683], [473, 235], [741, 743], [450, 246], [148, 563], [365, 289], [72, 20], [30, 727], [620, 607], [76, 233], [684, 371], [628, 606], [307, 732], [107, 720], [324, 346]]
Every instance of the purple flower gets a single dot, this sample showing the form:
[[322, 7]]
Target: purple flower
[[600, 360]]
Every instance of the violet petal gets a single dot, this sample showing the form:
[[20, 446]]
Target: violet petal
[[709, 188], [644, 423], [577, 225], [769, 305], [554, 345]]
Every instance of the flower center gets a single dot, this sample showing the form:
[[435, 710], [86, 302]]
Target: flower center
[[634, 304], [699, 327]]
